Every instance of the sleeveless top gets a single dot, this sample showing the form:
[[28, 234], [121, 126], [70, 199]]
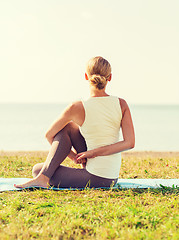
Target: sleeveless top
[[100, 128]]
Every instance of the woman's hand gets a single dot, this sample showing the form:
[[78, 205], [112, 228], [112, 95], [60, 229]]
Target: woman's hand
[[80, 157], [72, 155], [81, 161]]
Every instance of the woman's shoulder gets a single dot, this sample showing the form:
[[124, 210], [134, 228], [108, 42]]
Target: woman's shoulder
[[123, 104], [76, 106], [77, 112]]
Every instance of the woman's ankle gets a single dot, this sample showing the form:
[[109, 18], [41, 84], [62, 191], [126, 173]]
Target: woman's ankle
[[42, 177]]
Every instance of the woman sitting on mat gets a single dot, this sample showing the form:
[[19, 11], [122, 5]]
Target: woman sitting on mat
[[92, 128]]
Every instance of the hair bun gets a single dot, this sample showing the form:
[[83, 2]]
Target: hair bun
[[98, 80], [98, 70]]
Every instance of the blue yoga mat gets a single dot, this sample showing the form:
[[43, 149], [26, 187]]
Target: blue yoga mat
[[7, 184]]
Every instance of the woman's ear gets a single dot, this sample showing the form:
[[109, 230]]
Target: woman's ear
[[109, 79], [86, 76]]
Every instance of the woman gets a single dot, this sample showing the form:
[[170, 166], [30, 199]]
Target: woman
[[92, 129]]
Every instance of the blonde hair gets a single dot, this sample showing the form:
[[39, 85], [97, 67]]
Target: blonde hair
[[99, 71]]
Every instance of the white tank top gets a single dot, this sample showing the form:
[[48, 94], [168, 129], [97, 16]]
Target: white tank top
[[101, 127]]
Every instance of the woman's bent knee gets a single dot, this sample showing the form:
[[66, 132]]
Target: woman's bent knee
[[66, 130], [70, 126]]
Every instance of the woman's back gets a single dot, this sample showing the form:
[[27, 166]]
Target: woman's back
[[100, 128]]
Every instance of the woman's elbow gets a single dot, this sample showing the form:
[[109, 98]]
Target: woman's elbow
[[47, 135], [132, 144]]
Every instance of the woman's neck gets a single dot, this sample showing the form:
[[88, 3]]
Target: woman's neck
[[98, 93]]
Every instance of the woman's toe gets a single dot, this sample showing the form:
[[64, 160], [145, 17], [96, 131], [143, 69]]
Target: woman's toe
[[18, 186]]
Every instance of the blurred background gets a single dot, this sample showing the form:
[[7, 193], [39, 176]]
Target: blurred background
[[44, 48]]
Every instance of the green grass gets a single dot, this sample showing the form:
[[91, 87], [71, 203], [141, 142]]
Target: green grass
[[92, 214]]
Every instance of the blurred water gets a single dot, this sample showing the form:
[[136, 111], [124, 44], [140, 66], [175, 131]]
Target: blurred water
[[156, 127], [23, 126]]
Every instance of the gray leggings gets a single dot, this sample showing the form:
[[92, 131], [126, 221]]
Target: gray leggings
[[61, 176]]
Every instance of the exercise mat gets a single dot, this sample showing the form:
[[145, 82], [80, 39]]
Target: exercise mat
[[7, 184]]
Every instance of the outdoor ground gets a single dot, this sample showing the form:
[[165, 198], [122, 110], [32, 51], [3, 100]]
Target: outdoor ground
[[92, 214]]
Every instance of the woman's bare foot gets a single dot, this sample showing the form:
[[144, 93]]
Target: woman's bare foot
[[39, 181]]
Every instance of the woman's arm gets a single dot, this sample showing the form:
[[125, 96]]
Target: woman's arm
[[71, 113], [59, 124], [128, 137]]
